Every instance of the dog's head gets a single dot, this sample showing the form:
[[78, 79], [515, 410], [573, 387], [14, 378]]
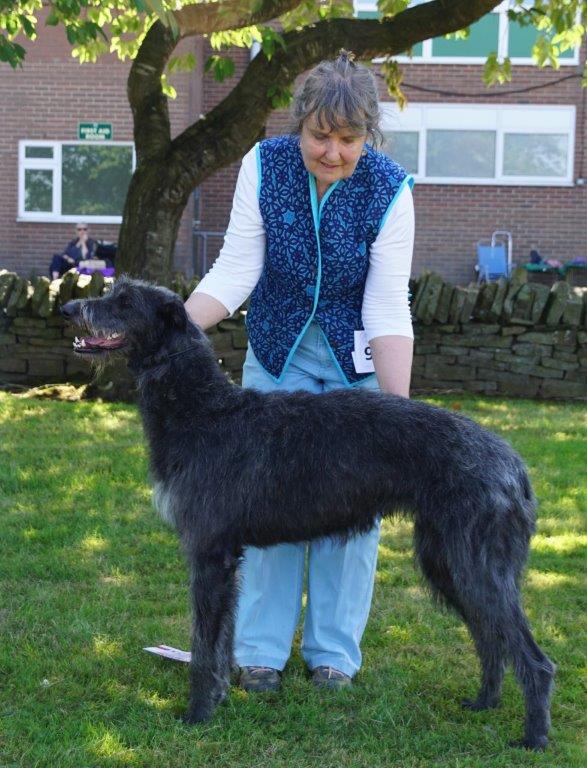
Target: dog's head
[[134, 317]]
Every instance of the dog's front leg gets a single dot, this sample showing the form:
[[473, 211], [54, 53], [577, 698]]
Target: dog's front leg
[[214, 595]]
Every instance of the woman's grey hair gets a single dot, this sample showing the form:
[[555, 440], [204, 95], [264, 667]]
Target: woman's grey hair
[[341, 94]]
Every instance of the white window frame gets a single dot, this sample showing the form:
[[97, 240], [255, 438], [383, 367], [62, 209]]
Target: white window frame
[[54, 164], [502, 43], [502, 118]]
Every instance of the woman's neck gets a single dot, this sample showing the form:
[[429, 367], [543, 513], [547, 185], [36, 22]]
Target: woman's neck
[[321, 190]]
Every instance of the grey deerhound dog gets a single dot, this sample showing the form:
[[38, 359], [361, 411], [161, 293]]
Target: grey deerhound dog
[[233, 467]]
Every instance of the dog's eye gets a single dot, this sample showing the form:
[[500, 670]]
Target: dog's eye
[[124, 300]]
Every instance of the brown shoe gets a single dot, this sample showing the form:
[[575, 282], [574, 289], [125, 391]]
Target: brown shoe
[[328, 677], [259, 679]]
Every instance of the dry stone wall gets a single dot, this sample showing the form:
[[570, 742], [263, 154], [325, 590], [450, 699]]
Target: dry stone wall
[[36, 344], [509, 337]]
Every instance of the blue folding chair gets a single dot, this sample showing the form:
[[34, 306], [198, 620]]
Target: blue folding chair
[[494, 258]]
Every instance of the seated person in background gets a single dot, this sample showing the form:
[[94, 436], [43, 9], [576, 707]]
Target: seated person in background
[[80, 248]]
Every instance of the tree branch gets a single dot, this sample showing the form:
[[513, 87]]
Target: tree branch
[[217, 138], [204, 18], [147, 101]]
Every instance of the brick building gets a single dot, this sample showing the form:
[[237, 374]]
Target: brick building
[[509, 158]]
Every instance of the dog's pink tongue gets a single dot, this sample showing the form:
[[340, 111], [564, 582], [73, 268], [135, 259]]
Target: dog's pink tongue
[[101, 342]]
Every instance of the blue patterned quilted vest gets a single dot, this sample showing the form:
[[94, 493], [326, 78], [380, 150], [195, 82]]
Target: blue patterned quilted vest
[[317, 256]]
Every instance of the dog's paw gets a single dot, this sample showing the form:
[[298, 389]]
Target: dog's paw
[[478, 705], [534, 743], [195, 715]]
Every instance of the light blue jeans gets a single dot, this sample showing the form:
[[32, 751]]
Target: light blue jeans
[[340, 578]]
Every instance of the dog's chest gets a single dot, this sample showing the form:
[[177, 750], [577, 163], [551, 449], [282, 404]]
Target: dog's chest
[[163, 501]]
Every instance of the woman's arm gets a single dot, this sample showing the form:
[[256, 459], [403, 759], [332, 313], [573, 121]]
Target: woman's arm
[[238, 267], [392, 358], [205, 310], [386, 309]]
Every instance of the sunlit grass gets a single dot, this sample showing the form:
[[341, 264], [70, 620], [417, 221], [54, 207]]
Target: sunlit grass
[[89, 575]]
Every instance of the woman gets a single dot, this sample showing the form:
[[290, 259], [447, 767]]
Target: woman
[[321, 232], [80, 248]]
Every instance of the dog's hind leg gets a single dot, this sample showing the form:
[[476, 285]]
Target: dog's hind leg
[[492, 654], [480, 616], [501, 633], [535, 673], [214, 597]]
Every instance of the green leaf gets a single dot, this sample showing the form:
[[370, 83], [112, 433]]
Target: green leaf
[[185, 63], [71, 34], [270, 39], [11, 52], [496, 72], [221, 67], [52, 19], [393, 76], [280, 97], [167, 88], [28, 25], [389, 8]]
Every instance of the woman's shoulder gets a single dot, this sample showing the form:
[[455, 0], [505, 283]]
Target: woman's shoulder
[[379, 169], [279, 144]]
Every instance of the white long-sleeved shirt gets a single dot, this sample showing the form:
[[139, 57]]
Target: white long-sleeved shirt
[[237, 269]]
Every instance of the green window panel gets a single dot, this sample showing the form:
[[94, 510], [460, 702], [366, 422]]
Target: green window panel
[[417, 49], [522, 39], [38, 191], [44, 152], [94, 179], [482, 40]]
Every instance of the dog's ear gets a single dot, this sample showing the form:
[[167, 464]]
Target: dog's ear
[[174, 314]]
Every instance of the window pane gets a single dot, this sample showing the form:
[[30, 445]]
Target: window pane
[[534, 154], [522, 39], [38, 191], [467, 154], [95, 179], [417, 50], [402, 146], [38, 152], [482, 40]]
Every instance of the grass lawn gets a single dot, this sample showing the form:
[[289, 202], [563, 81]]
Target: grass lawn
[[89, 575]]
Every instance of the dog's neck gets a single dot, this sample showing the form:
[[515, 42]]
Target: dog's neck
[[155, 361], [184, 370]]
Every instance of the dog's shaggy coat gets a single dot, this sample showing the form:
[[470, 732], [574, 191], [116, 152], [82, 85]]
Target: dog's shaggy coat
[[234, 467]]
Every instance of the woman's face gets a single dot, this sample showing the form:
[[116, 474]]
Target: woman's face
[[330, 155]]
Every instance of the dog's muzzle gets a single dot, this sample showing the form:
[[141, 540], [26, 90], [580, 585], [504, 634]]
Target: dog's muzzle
[[98, 344]]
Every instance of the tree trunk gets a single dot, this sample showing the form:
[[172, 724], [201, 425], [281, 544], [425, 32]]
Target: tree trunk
[[152, 215]]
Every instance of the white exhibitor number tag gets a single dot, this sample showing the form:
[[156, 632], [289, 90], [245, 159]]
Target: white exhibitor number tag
[[362, 357]]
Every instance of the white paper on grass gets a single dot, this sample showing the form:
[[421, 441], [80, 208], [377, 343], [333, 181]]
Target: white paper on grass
[[170, 653]]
